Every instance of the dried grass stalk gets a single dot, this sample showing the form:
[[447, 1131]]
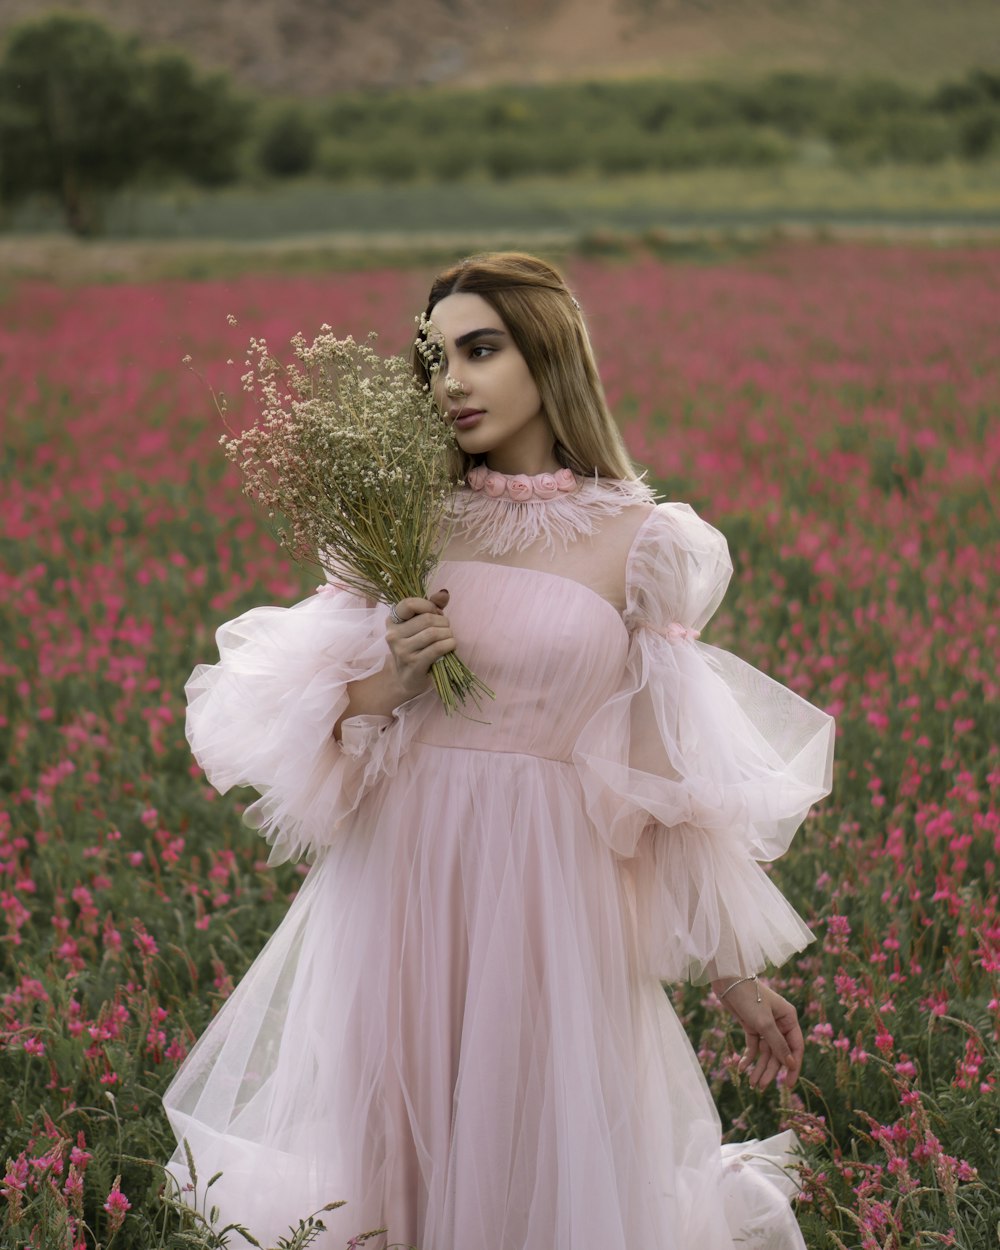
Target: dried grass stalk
[[352, 463]]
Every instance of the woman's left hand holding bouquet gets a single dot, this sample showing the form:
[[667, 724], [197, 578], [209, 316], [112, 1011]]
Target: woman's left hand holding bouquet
[[422, 636]]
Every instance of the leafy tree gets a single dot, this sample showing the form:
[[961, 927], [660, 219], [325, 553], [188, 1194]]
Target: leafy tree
[[194, 123], [68, 125], [82, 112]]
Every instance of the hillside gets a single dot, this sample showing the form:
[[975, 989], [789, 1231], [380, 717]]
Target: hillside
[[315, 47]]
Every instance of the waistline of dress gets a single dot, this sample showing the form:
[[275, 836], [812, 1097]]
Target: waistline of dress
[[493, 750]]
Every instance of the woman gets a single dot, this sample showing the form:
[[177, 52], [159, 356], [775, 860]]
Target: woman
[[460, 1027]]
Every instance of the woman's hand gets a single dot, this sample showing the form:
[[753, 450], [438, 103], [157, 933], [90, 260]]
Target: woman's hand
[[774, 1039], [422, 637]]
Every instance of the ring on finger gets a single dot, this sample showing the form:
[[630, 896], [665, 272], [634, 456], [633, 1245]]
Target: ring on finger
[[395, 615]]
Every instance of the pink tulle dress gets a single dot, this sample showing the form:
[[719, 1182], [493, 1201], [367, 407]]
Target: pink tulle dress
[[460, 1026]]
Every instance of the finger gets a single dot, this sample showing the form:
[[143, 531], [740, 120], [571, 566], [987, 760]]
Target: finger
[[422, 661], [791, 1072], [796, 1042], [435, 652], [779, 1054], [410, 647], [440, 598], [408, 608], [751, 1052], [767, 1065], [771, 1070], [758, 1068], [793, 1065], [414, 625]]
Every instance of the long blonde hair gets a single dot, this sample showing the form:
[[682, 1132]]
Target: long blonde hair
[[545, 322]]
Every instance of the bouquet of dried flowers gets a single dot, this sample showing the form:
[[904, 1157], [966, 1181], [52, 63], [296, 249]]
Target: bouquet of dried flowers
[[352, 462]]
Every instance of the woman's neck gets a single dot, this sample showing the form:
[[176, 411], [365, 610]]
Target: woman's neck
[[522, 467], [531, 451]]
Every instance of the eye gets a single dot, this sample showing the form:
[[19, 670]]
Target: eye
[[484, 348]]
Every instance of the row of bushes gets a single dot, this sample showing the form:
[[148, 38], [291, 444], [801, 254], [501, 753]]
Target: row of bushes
[[617, 127]]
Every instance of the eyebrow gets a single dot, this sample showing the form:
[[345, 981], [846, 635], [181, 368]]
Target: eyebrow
[[477, 334]]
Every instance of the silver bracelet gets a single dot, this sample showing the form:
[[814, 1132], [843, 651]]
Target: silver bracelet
[[742, 981]]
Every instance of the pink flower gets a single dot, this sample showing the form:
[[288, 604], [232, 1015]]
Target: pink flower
[[477, 477], [546, 486], [145, 944], [17, 1175], [565, 480], [116, 1206], [495, 484], [73, 1188], [519, 487]]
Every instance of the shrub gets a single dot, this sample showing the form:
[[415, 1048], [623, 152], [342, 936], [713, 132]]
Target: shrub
[[795, 104], [509, 158], [448, 160], [979, 133], [979, 87], [920, 139], [338, 160], [390, 161], [288, 144], [626, 153]]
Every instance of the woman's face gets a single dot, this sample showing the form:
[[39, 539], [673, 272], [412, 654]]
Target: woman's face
[[493, 402]]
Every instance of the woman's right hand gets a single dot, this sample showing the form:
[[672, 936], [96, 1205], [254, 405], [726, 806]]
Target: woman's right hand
[[422, 636]]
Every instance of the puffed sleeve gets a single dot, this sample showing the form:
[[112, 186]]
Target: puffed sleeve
[[263, 716], [699, 767]]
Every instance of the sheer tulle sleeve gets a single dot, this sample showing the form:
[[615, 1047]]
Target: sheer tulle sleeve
[[264, 716], [699, 767]]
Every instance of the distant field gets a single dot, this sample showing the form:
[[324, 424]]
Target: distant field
[[568, 206]]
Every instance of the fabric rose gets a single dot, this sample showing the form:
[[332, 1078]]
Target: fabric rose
[[565, 480], [546, 486], [477, 477], [495, 484], [519, 487], [676, 632]]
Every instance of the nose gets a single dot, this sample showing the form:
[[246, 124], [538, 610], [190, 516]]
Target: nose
[[454, 388]]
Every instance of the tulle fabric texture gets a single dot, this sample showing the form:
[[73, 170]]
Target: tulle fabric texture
[[264, 716], [459, 1026], [700, 767]]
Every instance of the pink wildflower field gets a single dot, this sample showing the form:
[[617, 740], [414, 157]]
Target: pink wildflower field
[[833, 408]]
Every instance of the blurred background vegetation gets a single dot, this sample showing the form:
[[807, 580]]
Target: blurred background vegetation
[[813, 110]]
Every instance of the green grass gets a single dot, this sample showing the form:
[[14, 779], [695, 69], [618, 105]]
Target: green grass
[[567, 207]]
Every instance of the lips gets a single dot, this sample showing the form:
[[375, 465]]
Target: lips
[[466, 418]]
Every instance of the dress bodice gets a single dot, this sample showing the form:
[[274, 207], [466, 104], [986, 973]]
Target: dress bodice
[[551, 649]]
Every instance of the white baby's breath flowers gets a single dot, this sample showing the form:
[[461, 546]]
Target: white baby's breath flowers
[[351, 458]]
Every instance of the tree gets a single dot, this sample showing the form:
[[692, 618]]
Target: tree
[[68, 125], [83, 112], [194, 123]]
